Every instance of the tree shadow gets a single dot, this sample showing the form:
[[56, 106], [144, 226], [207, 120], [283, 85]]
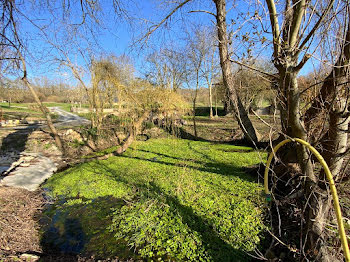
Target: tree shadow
[[70, 232], [216, 246], [211, 165], [14, 144], [205, 111], [218, 249], [216, 167]]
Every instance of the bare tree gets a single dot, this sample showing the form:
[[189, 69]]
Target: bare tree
[[166, 68], [210, 67], [241, 115], [14, 44], [292, 40]]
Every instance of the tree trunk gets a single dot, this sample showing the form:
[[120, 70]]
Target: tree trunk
[[239, 111], [210, 102], [194, 116], [333, 98], [216, 104], [46, 113], [194, 106], [133, 133], [209, 83]]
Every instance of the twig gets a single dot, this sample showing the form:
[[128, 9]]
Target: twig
[[295, 250]]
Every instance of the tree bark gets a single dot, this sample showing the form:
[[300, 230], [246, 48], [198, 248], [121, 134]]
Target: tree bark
[[46, 113], [133, 132], [241, 115], [333, 98], [210, 101], [194, 115]]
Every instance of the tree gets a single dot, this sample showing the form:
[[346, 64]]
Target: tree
[[197, 50], [291, 45], [167, 68], [210, 67], [14, 47], [241, 115]]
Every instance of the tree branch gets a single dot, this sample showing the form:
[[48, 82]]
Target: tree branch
[[155, 27], [316, 26], [275, 26], [203, 11], [297, 17], [274, 77], [303, 62]]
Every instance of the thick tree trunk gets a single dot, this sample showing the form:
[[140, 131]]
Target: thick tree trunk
[[333, 98], [241, 115], [287, 46]]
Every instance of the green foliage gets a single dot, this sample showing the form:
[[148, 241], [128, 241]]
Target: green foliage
[[157, 231], [182, 200]]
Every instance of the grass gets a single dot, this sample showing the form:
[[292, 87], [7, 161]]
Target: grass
[[24, 110], [16, 107], [63, 106], [23, 107], [166, 199]]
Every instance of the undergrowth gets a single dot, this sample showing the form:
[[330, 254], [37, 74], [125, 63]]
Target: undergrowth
[[165, 199]]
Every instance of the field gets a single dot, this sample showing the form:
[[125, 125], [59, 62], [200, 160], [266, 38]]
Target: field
[[164, 199], [27, 110]]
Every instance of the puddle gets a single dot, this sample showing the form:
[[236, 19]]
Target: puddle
[[80, 226]]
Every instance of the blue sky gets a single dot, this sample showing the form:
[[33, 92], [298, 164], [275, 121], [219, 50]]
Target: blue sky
[[117, 34]]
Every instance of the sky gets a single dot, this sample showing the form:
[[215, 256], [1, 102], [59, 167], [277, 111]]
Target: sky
[[116, 34]]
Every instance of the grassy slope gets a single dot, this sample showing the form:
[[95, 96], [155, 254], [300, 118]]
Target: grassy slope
[[172, 198]]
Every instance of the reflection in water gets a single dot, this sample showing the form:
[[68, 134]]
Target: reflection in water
[[63, 235]]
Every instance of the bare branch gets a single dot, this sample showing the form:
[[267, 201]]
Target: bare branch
[[203, 11], [299, 12], [316, 26], [303, 62], [155, 27], [274, 77], [275, 26]]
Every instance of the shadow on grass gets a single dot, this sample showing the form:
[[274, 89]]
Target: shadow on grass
[[205, 111], [216, 167], [211, 165], [96, 216], [214, 245]]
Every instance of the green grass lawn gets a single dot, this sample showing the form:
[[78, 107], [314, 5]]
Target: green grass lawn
[[24, 106], [164, 199], [23, 110]]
